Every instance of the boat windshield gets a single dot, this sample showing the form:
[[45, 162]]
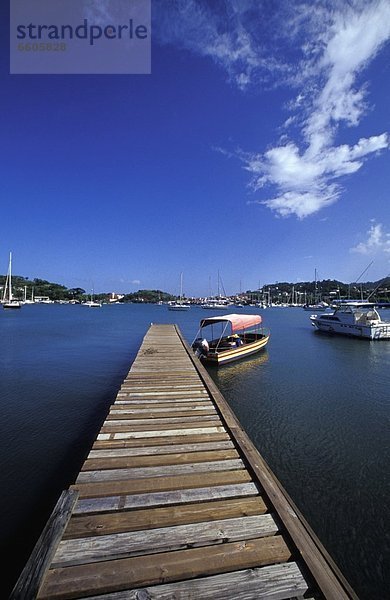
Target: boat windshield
[[360, 312]]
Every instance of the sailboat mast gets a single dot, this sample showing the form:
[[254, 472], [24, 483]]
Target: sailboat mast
[[10, 278]]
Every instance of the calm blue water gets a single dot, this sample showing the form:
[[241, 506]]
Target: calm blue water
[[317, 408]]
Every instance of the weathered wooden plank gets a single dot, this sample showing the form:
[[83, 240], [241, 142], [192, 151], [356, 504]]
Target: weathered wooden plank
[[159, 471], [146, 415], [161, 402], [160, 433], [126, 412], [114, 575], [30, 579], [160, 441], [160, 450], [155, 499], [189, 372], [276, 582], [163, 421], [160, 386], [167, 393], [167, 516], [162, 539], [152, 426], [95, 464], [150, 379], [161, 484], [185, 397]]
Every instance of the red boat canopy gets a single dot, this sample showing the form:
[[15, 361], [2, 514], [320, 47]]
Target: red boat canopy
[[238, 322]]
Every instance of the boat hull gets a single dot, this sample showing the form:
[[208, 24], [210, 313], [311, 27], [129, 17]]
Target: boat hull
[[373, 332], [11, 305], [223, 357]]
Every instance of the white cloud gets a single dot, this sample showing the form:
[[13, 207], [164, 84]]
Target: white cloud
[[377, 241], [355, 38], [305, 179], [305, 183]]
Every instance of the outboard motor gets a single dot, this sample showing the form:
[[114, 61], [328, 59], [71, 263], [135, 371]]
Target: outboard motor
[[200, 346]]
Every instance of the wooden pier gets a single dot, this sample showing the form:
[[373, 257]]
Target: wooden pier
[[174, 502]]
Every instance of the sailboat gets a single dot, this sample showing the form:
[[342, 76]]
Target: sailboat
[[317, 304], [8, 301], [217, 303], [180, 304], [92, 303]]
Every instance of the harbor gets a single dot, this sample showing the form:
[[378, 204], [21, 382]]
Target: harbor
[[284, 397], [196, 240], [174, 501]]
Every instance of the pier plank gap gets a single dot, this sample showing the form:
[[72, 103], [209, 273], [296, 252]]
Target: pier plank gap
[[175, 502]]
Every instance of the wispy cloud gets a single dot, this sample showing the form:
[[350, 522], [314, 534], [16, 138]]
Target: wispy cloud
[[231, 34], [319, 51], [305, 176], [377, 240]]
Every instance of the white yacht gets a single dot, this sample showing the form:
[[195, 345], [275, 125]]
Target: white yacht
[[216, 304], [358, 319]]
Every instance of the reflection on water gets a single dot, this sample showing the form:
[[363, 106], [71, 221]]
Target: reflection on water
[[241, 368]]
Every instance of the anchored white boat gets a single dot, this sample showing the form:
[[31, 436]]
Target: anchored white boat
[[358, 319], [317, 305], [216, 304], [180, 304], [92, 303], [8, 300]]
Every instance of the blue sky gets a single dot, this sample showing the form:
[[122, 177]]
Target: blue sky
[[258, 147]]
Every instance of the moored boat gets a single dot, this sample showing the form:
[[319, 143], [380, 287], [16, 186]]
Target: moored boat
[[92, 304], [240, 336], [8, 300], [216, 304], [180, 304], [318, 306], [358, 319]]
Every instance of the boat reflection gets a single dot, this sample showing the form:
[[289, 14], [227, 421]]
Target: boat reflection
[[245, 366]]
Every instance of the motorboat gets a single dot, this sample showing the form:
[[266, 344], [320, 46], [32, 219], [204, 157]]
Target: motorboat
[[358, 319], [227, 338], [216, 304]]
